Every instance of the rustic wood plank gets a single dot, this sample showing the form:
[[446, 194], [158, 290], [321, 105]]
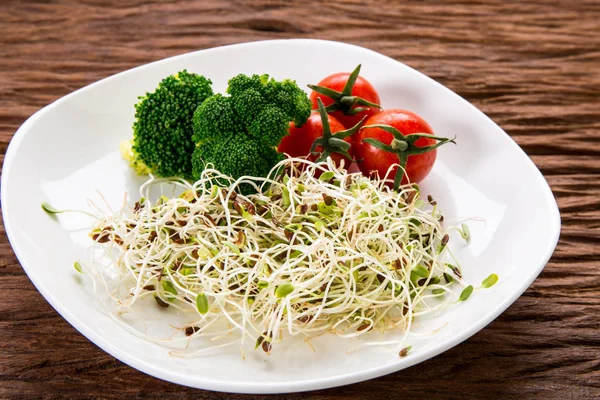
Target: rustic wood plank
[[533, 67]]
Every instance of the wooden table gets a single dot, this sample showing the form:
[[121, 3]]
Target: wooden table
[[533, 67]]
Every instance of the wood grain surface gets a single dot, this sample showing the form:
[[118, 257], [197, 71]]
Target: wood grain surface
[[533, 67]]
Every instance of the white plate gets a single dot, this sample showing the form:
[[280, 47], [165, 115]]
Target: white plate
[[69, 150]]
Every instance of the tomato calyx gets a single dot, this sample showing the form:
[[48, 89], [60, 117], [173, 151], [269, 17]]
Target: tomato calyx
[[404, 146], [332, 143], [344, 101]]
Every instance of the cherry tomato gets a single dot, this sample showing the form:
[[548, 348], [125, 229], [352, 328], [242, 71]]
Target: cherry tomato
[[360, 92], [300, 140], [371, 159]]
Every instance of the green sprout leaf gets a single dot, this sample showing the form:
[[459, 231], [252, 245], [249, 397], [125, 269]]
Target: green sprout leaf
[[434, 281], [204, 253], [284, 290], [187, 195], [232, 246], [319, 225], [295, 254], [263, 284], [285, 195], [293, 227], [162, 200], [51, 210], [448, 278], [421, 271], [168, 287], [415, 222], [489, 281], [187, 271], [77, 266], [466, 293], [262, 340], [326, 176], [324, 208], [465, 232], [202, 303], [414, 278], [247, 216]]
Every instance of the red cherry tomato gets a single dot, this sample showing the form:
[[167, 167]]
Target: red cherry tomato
[[372, 160], [362, 89], [299, 142]]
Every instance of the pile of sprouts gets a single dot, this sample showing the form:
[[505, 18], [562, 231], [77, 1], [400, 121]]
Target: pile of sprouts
[[315, 250]]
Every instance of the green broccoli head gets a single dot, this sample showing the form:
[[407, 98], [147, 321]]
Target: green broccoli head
[[162, 131], [248, 104], [251, 94], [241, 83], [292, 100], [271, 124], [236, 156], [214, 117], [238, 134]]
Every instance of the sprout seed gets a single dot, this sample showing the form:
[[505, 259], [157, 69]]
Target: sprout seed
[[404, 352]]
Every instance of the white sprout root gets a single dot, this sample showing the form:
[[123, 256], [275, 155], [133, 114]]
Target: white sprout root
[[317, 250]]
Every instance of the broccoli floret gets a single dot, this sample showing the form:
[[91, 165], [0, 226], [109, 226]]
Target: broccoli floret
[[292, 100], [214, 116], [285, 95], [162, 131], [248, 104], [271, 125], [241, 83], [238, 134], [236, 156]]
